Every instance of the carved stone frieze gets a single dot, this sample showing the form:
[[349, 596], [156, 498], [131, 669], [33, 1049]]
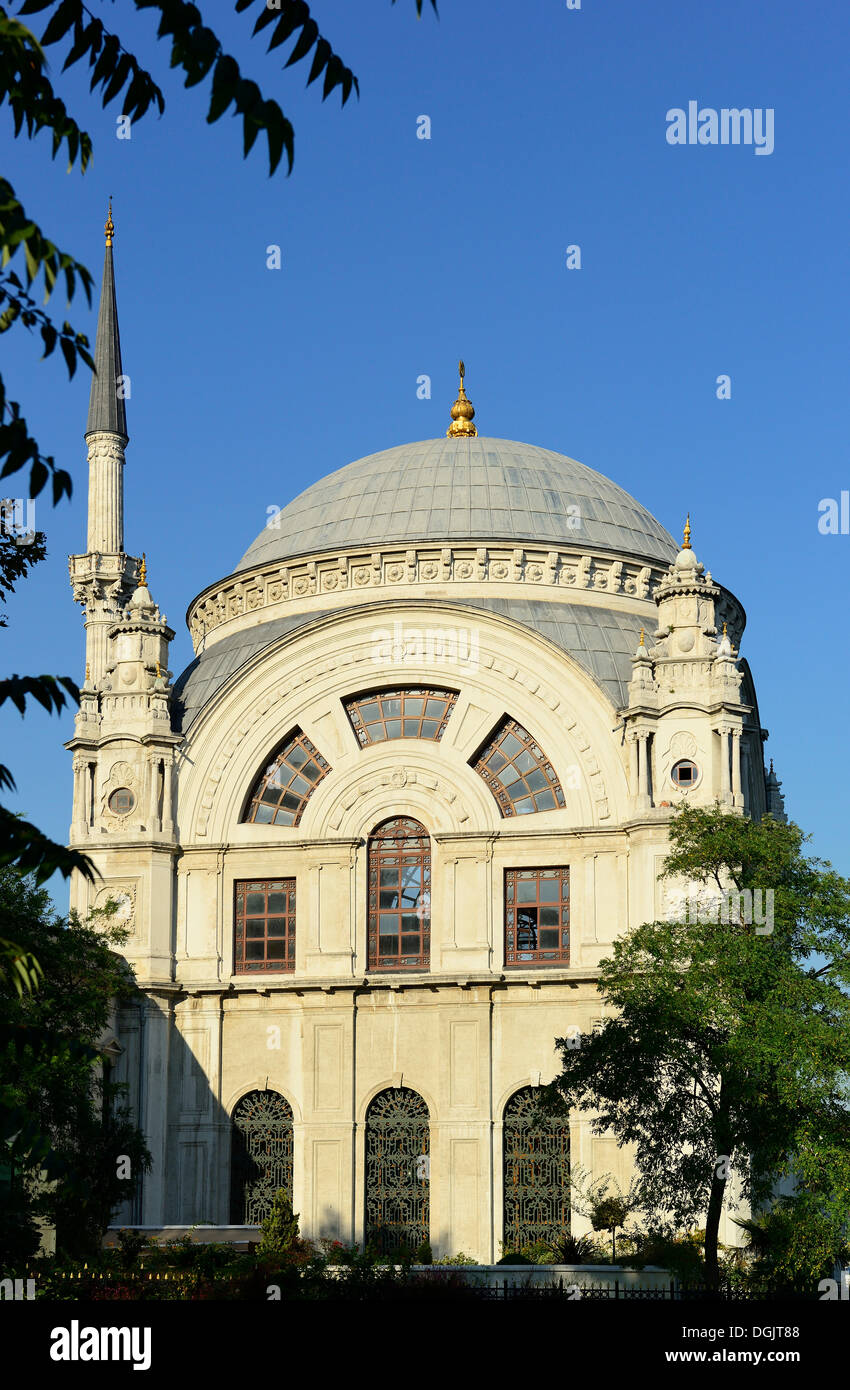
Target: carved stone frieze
[[424, 565]]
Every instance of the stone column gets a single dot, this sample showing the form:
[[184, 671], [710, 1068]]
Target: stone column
[[79, 823], [167, 796], [737, 798], [725, 790], [643, 779]]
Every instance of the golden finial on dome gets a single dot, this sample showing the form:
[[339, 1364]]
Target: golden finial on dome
[[640, 643], [109, 225], [724, 629], [686, 540], [158, 671], [88, 673], [143, 571], [462, 413]]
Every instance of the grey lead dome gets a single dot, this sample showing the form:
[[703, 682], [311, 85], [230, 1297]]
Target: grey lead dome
[[475, 489]]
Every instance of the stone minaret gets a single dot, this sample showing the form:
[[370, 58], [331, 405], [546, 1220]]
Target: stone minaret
[[104, 578]]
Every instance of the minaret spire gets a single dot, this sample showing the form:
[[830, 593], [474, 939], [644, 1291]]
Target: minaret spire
[[104, 577], [107, 413]]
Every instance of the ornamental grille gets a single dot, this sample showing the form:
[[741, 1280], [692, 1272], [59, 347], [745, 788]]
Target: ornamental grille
[[413, 713], [397, 1171], [261, 1156], [536, 1152], [399, 855], [518, 772], [282, 791]]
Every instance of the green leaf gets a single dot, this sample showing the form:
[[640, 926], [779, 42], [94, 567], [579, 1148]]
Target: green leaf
[[309, 34], [61, 21]]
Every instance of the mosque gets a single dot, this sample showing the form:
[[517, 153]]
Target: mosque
[[371, 846]]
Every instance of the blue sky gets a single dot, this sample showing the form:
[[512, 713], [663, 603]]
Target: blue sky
[[399, 255]]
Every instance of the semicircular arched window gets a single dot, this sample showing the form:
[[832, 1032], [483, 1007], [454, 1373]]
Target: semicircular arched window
[[536, 1172], [284, 787], [403, 713], [261, 1155], [518, 772], [399, 869], [398, 1175]]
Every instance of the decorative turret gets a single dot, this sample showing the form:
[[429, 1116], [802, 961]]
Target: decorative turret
[[685, 713], [775, 799], [138, 652], [462, 413]]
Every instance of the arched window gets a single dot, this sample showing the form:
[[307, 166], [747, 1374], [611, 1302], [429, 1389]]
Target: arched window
[[536, 1151], [518, 772], [261, 1156], [408, 713], [399, 853], [283, 789], [397, 1171]]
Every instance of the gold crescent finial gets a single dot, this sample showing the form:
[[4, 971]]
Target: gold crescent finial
[[640, 644], [143, 570], [158, 671], [462, 412], [109, 225], [686, 541], [724, 629]]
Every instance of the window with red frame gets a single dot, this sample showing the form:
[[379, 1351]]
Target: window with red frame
[[399, 853], [265, 925], [537, 916]]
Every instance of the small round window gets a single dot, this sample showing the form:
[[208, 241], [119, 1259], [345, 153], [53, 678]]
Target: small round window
[[122, 801], [684, 773]]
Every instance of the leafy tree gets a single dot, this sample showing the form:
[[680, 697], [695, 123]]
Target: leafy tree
[[728, 1053], [65, 1126], [280, 1228], [604, 1203], [34, 105]]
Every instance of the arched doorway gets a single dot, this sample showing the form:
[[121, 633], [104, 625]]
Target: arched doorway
[[536, 1151], [397, 1171], [261, 1155]]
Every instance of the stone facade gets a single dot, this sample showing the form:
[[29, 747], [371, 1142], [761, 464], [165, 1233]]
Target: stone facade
[[161, 808]]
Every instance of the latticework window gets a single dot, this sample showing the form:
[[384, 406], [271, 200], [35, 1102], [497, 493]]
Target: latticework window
[[261, 1156], [397, 1171], [386, 714], [536, 1151], [537, 916], [282, 791], [399, 854], [264, 921], [518, 772]]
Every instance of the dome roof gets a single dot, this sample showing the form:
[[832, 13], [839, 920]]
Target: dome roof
[[468, 489]]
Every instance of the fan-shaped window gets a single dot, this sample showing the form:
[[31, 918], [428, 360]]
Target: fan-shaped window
[[536, 1151], [537, 916], [261, 1156], [397, 1171], [414, 713], [399, 854], [518, 772], [282, 791]]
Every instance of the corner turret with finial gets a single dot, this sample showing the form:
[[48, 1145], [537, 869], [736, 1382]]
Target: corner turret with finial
[[462, 413]]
